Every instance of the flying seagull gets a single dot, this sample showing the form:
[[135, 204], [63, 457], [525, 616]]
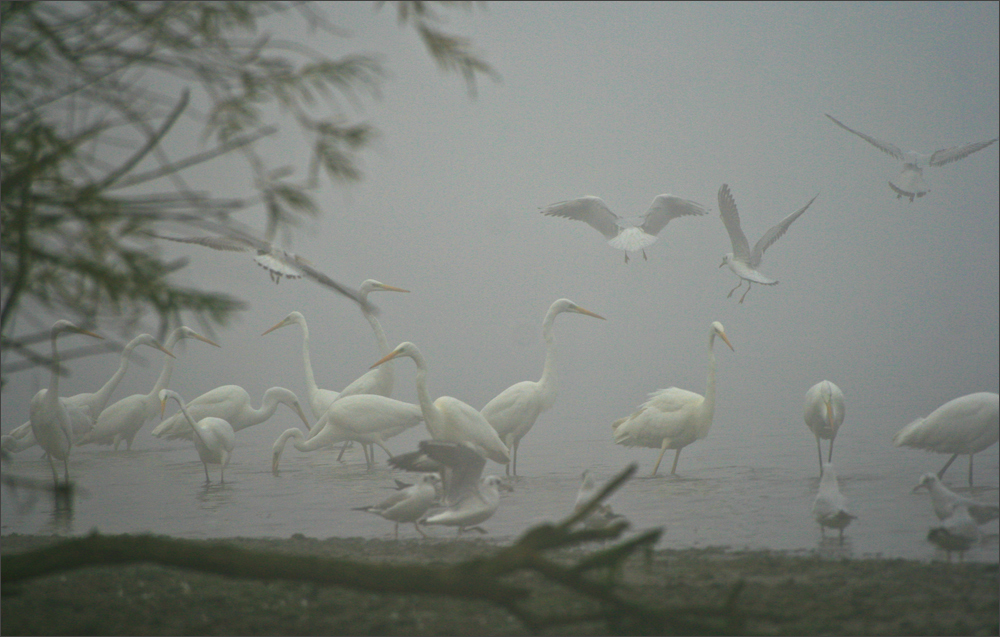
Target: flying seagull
[[630, 235], [278, 262], [910, 182]]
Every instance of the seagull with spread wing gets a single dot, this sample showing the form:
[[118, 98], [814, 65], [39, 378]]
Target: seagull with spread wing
[[630, 235], [741, 260], [910, 181]]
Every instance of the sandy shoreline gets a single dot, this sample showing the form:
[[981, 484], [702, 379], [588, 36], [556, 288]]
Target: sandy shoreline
[[783, 594]]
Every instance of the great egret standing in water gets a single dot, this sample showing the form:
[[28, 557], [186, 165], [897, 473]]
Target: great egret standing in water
[[963, 426], [232, 404], [622, 233], [673, 418], [741, 261], [123, 419], [910, 182], [50, 421], [213, 437], [514, 411], [449, 419], [824, 414]]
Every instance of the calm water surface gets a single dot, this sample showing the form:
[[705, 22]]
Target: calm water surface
[[731, 490]]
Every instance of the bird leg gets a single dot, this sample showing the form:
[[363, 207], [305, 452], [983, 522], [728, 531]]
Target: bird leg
[[673, 469], [738, 285], [516, 443], [749, 284], [644, 257], [419, 530], [830, 458], [970, 470], [626, 256], [946, 465], [207, 480], [663, 449], [819, 452]]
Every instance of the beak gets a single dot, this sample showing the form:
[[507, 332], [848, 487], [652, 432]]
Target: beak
[[726, 339], [163, 407], [388, 357], [271, 329], [829, 412], [165, 350], [723, 263], [391, 288], [205, 340], [302, 415], [589, 313]]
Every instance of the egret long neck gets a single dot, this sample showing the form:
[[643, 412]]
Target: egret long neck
[[53, 395], [708, 405], [102, 395], [311, 385], [427, 407], [168, 364], [385, 369], [548, 384], [190, 421]]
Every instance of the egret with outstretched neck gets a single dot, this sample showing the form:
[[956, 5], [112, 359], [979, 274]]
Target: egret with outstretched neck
[[214, 438]]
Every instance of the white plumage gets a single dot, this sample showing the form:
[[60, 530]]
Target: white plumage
[[945, 501], [830, 506], [214, 438], [824, 414]]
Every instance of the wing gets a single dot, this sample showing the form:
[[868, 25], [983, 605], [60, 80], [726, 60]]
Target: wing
[[948, 155], [775, 233], [590, 210], [466, 465], [885, 147], [731, 219], [230, 244], [667, 207]]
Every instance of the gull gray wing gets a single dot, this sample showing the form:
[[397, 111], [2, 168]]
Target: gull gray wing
[[590, 210], [775, 233], [231, 244], [667, 207], [885, 147], [948, 155], [731, 219], [466, 467]]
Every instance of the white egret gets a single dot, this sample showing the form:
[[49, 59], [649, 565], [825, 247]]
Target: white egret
[[958, 532], [407, 505], [824, 414], [214, 438], [50, 421], [319, 399], [279, 263], [514, 411], [910, 181], [673, 418], [365, 418], [945, 500], [830, 506], [449, 419], [84, 408], [963, 426], [625, 234], [123, 419], [232, 404], [741, 261]]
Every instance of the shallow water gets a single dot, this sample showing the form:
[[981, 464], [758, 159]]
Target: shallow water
[[724, 494]]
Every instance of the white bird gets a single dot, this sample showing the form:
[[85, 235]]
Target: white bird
[[824, 414], [279, 263], [673, 418], [958, 532], [319, 399], [963, 426], [625, 234], [449, 419], [214, 438], [50, 421], [830, 506], [407, 505], [741, 261], [469, 498], [84, 408], [945, 500], [123, 419], [514, 411], [232, 404], [910, 182], [369, 419], [602, 515]]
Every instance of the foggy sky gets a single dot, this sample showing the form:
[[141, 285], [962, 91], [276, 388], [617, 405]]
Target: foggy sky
[[896, 302]]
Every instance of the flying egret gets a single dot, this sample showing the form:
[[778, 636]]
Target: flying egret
[[514, 411], [50, 421], [963, 426], [232, 404], [945, 500], [214, 438], [625, 234], [824, 414], [830, 506], [369, 419], [449, 419], [741, 261], [910, 181], [279, 263], [407, 505], [84, 408], [123, 419], [958, 532], [673, 418]]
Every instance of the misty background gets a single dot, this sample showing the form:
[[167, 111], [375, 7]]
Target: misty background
[[896, 302]]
